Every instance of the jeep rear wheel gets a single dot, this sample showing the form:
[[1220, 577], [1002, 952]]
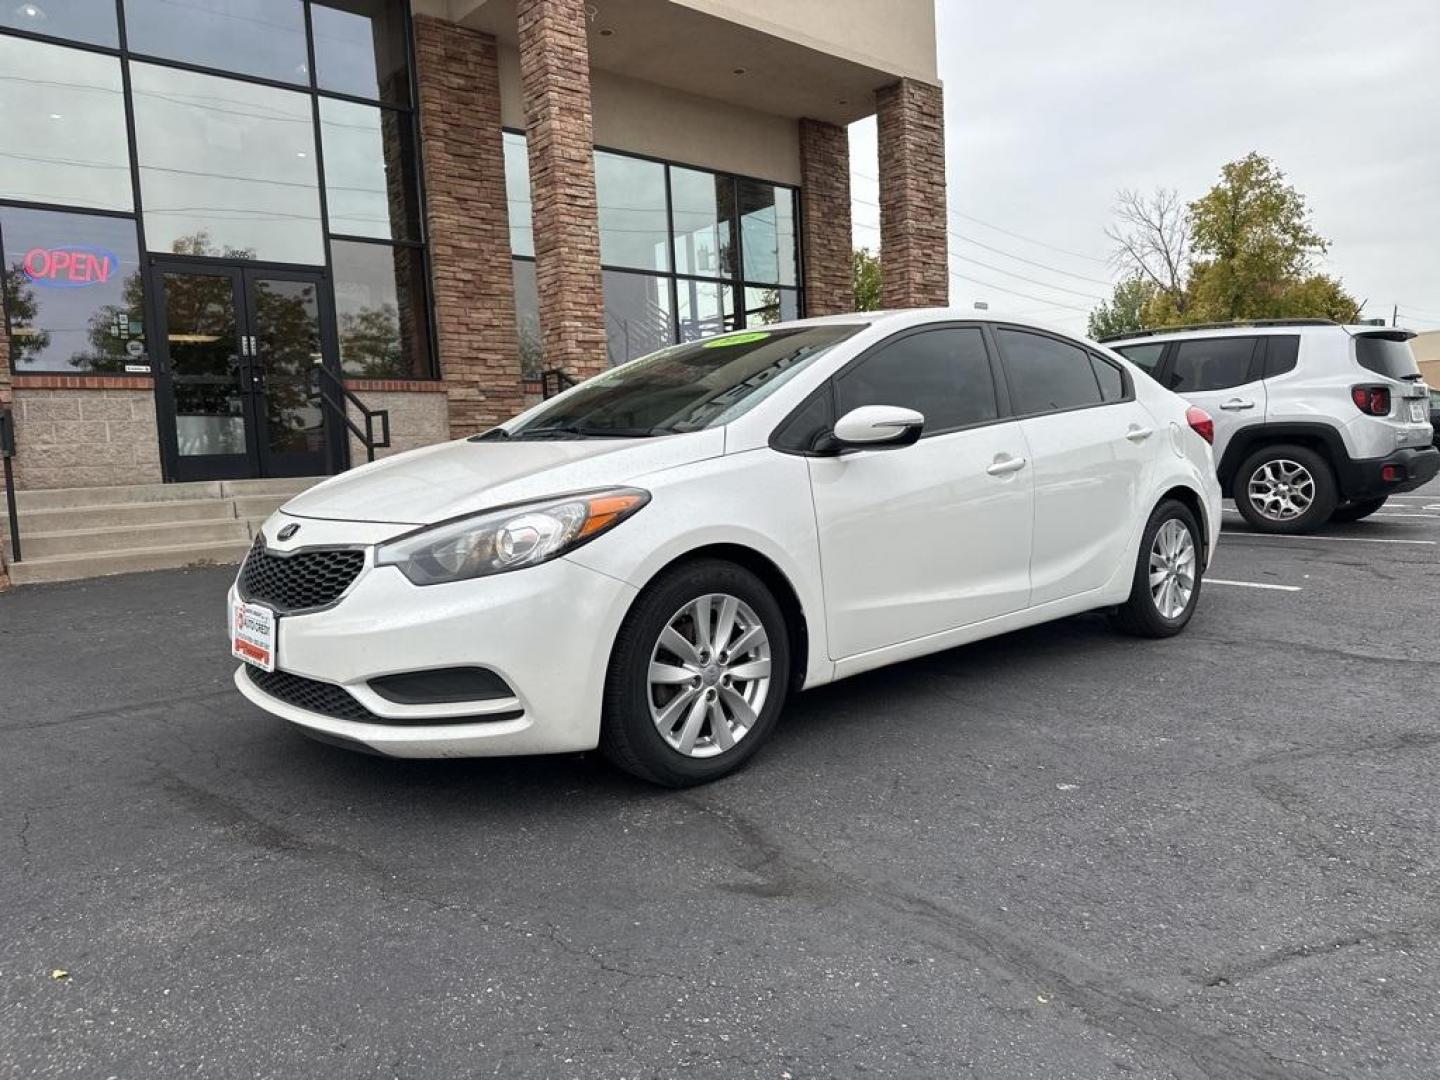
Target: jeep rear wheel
[[1285, 489]]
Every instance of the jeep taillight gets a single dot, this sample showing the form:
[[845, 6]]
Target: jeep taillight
[[1200, 423], [1372, 400]]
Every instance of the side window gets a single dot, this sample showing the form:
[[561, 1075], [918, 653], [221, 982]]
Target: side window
[[803, 430], [1110, 378], [1281, 352], [942, 374], [1046, 374], [1211, 364], [1146, 357]]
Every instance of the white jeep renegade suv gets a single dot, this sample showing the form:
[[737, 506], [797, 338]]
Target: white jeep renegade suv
[[1314, 421]]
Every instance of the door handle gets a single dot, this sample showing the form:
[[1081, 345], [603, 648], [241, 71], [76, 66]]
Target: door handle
[[1236, 405], [1139, 434], [1001, 466]]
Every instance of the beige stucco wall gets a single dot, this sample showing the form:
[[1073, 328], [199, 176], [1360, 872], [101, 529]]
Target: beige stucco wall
[[416, 419], [895, 35], [85, 438], [648, 119]]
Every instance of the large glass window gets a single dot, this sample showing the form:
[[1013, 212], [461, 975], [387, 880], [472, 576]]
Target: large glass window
[[705, 308], [517, 195], [704, 215], [62, 126], [91, 21], [254, 37], [381, 313], [637, 314], [369, 171], [527, 317], [767, 232], [360, 49], [72, 291], [631, 195], [227, 168]]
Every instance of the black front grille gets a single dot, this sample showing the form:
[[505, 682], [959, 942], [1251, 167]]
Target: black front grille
[[324, 698], [306, 579]]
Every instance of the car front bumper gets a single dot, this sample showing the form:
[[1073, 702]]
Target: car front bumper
[[545, 630], [1412, 467]]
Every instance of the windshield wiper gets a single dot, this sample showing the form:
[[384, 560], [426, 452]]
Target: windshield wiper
[[585, 431]]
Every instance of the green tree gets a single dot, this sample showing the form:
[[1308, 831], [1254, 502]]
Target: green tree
[[865, 269], [1126, 310]]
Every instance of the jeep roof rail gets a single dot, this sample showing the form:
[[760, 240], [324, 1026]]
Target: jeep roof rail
[[1239, 324]]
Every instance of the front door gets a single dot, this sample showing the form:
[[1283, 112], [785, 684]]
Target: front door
[[236, 376]]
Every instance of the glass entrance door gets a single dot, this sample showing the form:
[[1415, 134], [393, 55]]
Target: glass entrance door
[[239, 348]]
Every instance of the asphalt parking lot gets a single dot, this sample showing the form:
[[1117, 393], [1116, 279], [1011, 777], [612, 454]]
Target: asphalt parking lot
[[1060, 853]]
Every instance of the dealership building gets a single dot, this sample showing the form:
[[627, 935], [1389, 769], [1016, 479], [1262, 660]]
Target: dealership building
[[218, 216]]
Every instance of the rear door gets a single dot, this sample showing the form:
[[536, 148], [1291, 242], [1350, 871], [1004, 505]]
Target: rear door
[[921, 539], [1223, 376], [1091, 446]]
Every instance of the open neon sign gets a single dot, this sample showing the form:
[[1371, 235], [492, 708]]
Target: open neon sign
[[73, 266]]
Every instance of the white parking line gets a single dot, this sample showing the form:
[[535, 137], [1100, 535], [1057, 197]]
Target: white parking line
[[1328, 539], [1252, 585], [1406, 514]]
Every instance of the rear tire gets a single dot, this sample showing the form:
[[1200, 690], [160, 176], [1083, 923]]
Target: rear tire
[[1168, 574], [1285, 489], [698, 675], [1357, 511]]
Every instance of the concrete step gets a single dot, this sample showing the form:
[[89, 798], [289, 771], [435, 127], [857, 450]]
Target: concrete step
[[123, 561], [259, 506], [102, 541], [285, 485], [127, 494], [106, 517]]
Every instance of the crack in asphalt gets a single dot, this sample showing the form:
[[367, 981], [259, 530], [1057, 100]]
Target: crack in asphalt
[[1105, 999], [1402, 935]]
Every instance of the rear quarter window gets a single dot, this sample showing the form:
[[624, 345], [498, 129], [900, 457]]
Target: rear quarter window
[[1386, 356]]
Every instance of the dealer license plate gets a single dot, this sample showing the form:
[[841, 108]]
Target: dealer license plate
[[252, 635], [1419, 411]]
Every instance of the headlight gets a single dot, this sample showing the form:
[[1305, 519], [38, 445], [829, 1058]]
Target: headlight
[[508, 539]]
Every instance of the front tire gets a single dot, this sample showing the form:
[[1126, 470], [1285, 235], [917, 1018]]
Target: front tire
[[698, 675], [1285, 489], [1358, 511], [1166, 586]]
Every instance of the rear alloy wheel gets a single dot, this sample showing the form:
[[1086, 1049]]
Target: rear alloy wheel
[[1168, 573], [1357, 511], [697, 677], [1285, 489]]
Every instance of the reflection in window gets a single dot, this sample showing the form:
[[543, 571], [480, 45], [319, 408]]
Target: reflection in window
[[62, 126], [637, 315], [91, 21], [381, 313], [767, 232], [767, 305], [703, 209], [705, 308], [631, 194], [227, 168], [360, 49], [72, 291], [527, 317], [254, 37], [517, 195], [368, 166]]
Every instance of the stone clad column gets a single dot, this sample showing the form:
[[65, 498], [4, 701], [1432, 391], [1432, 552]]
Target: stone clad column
[[555, 84], [912, 195], [825, 217], [466, 223]]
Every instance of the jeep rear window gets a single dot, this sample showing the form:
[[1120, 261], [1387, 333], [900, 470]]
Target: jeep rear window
[[1387, 356]]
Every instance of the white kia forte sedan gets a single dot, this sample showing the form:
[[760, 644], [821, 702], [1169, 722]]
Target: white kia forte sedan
[[652, 561]]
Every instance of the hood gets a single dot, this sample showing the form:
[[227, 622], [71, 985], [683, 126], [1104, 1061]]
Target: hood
[[452, 479]]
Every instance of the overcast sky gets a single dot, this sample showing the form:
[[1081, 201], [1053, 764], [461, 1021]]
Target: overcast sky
[[1051, 106]]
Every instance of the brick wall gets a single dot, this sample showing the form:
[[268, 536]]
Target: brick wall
[[85, 438], [911, 129], [458, 75], [555, 86], [416, 419], [825, 217]]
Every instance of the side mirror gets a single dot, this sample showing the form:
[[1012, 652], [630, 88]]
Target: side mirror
[[877, 427]]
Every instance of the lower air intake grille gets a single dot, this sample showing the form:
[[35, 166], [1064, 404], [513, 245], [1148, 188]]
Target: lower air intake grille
[[324, 698]]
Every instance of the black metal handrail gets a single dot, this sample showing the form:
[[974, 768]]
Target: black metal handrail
[[7, 451], [336, 405], [559, 378]]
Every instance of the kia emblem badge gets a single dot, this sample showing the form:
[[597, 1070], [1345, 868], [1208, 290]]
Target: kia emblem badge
[[287, 532]]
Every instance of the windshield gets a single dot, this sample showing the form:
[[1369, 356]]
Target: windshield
[[687, 387], [1389, 356]]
